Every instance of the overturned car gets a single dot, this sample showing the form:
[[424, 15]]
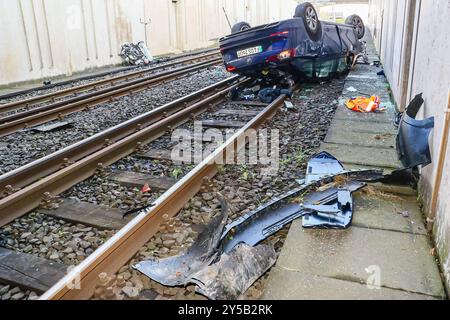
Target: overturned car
[[300, 48]]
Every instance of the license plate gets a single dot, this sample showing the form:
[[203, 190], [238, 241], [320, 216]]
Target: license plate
[[249, 51]]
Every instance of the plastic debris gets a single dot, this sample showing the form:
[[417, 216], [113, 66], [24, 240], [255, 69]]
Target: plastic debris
[[268, 95], [136, 54], [146, 188], [365, 105], [413, 136], [218, 276]]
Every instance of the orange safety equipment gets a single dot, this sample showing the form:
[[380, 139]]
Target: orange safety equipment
[[365, 105]]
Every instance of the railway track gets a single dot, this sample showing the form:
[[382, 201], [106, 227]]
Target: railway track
[[128, 84], [96, 75], [62, 169], [29, 185]]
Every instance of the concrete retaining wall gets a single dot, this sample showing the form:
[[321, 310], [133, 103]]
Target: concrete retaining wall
[[44, 38], [413, 39]]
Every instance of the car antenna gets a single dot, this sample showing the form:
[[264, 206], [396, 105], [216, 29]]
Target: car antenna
[[226, 16]]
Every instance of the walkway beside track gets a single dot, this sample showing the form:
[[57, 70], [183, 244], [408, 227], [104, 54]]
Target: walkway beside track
[[384, 254]]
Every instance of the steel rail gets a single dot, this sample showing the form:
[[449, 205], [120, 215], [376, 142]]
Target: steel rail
[[120, 248], [33, 171], [58, 110], [92, 85], [28, 198]]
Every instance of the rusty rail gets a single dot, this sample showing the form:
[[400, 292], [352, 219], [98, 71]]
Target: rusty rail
[[15, 122], [42, 167], [92, 85], [128, 137], [119, 249]]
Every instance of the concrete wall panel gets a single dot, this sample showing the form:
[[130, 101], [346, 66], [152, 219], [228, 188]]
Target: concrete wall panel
[[44, 38], [429, 73]]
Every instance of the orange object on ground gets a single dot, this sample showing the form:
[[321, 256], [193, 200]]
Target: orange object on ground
[[146, 188], [365, 105]]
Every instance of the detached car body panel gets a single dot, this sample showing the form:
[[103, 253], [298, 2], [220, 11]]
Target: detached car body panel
[[286, 46]]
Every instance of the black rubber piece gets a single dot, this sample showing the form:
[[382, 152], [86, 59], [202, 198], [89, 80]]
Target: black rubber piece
[[240, 26], [353, 20], [300, 12]]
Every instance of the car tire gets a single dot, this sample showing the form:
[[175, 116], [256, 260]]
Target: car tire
[[308, 13], [358, 24], [240, 26]]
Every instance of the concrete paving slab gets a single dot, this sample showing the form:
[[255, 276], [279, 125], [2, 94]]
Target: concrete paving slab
[[363, 126], [292, 285], [363, 156], [403, 190], [337, 264], [385, 214], [363, 77], [349, 137], [344, 113], [402, 259]]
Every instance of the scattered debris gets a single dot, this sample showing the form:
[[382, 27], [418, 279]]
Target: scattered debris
[[405, 214], [235, 272], [52, 126], [146, 188], [268, 219], [365, 105], [268, 95], [337, 213], [225, 261], [371, 191], [320, 165], [289, 105], [265, 91], [412, 139], [179, 270], [433, 252], [351, 89], [217, 276], [136, 54]]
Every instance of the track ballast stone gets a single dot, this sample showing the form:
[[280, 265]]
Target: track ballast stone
[[25, 146], [302, 129]]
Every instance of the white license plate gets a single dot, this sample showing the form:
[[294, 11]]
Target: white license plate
[[249, 51]]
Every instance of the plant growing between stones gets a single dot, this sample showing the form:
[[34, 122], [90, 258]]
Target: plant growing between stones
[[176, 173]]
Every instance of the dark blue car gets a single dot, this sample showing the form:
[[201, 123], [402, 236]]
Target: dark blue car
[[303, 47]]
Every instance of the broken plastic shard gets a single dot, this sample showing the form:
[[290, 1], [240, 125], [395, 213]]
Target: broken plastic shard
[[268, 219], [177, 270], [341, 219], [235, 272], [321, 165], [412, 139]]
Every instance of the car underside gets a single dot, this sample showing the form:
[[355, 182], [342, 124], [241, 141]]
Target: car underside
[[296, 49]]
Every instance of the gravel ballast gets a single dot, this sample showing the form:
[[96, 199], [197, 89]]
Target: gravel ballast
[[25, 146], [245, 188]]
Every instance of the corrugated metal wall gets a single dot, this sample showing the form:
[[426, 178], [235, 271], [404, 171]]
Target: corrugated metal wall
[[413, 38], [43, 38]]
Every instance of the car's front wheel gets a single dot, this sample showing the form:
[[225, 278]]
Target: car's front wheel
[[308, 13], [358, 24], [240, 26]]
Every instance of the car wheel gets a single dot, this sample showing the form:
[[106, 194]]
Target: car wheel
[[357, 23], [310, 18], [240, 26]]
